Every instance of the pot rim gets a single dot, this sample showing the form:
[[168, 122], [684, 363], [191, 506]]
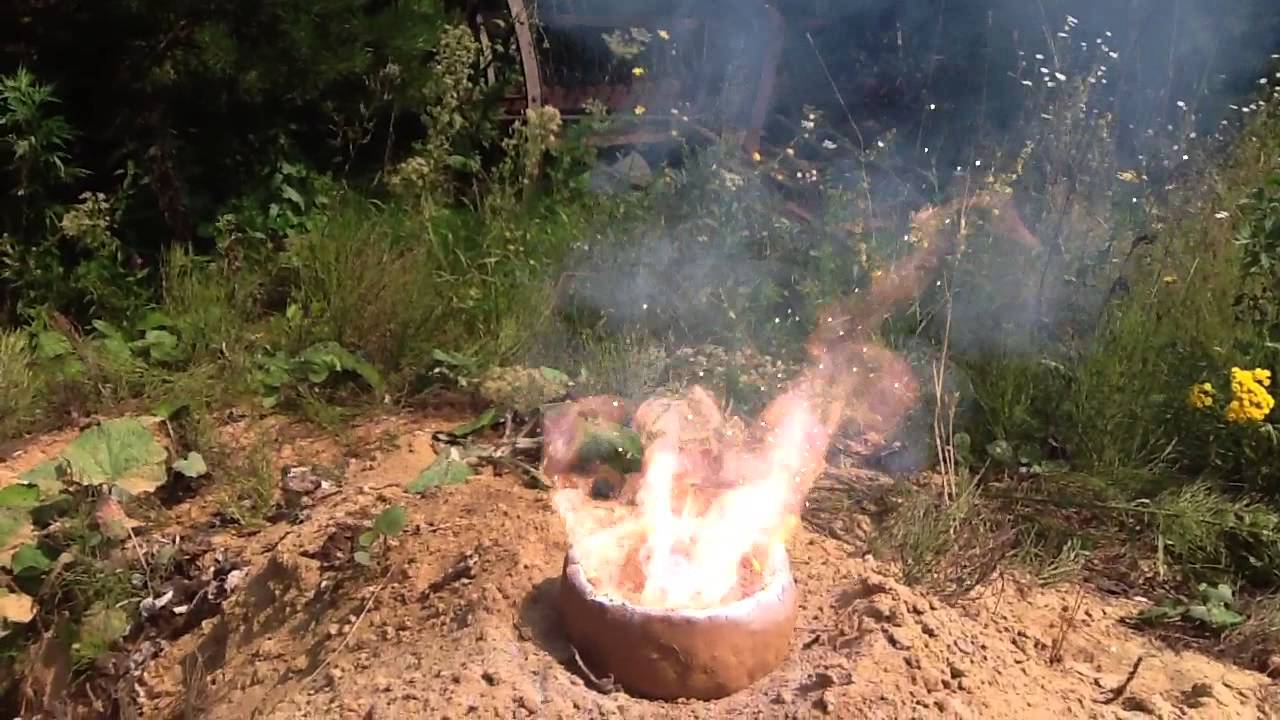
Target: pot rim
[[779, 585]]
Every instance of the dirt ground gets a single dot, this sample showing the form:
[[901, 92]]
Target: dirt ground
[[458, 620]]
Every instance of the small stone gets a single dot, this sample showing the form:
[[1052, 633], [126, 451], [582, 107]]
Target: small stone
[[1154, 706], [929, 627], [931, 680], [957, 672], [899, 639], [964, 646]]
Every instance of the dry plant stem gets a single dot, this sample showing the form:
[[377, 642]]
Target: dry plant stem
[[862, 145], [1065, 626], [354, 626], [1119, 691], [943, 435], [146, 568]]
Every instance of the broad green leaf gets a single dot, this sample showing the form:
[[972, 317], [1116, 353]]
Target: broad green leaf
[[16, 608], [160, 345], [113, 343], [331, 354], [453, 359], [367, 538], [440, 473], [555, 376], [487, 418], [193, 465], [1215, 616], [19, 496], [612, 444], [390, 522], [99, 630], [363, 558], [169, 408], [118, 452], [51, 344], [29, 559], [1002, 452], [49, 476], [155, 319], [1161, 613], [1219, 594]]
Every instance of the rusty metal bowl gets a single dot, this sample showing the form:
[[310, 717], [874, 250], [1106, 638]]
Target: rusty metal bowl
[[672, 654]]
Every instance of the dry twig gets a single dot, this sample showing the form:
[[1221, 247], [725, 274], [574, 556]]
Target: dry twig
[[354, 626]]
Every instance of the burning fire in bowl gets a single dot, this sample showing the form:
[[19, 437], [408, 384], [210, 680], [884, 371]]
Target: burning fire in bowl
[[680, 586], [669, 654], [677, 584]]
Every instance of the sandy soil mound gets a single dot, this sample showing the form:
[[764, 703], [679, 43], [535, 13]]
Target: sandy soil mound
[[458, 620]]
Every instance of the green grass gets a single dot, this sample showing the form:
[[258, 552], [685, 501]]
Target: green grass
[[19, 393]]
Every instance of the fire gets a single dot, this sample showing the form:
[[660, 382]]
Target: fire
[[697, 526], [713, 498]]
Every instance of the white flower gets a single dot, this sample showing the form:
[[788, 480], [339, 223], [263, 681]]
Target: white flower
[[1222, 214], [1060, 76], [829, 145], [806, 124], [1182, 105]]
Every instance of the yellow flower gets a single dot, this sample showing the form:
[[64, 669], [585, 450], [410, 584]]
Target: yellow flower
[[1250, 401], [756, 156], [1201, 395], [638, 71], [639, 110], [664, 34]]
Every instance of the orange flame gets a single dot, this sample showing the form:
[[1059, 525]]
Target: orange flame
[[716, 495]]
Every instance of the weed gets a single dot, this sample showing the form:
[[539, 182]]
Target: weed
[[246, 489], [19, 393], [388, 524]]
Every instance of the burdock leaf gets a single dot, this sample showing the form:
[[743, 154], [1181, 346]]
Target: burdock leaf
[[193, 465], [49, 476], [119, 452], [1216, 595], [486, 418], [19, 496], [1215, 616], [440, 473]]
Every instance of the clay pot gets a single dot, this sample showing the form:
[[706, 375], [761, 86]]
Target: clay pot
[[672, 654]]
